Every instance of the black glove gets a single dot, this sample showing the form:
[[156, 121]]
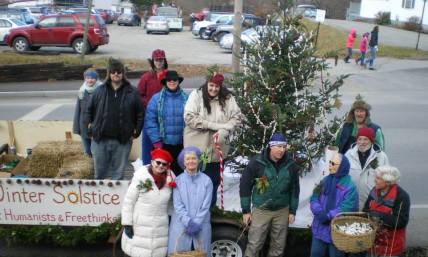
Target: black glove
[[323, 218], [129, 231]]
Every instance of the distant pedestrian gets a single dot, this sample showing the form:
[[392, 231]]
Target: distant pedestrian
[[373, 46], [89, 85], [114, 117], [349, 43], [363, 49], [150, 84]]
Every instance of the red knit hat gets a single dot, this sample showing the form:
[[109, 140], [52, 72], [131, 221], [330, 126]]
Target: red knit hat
[[217, 79], [158, 54], [161, 154], [367, 132]]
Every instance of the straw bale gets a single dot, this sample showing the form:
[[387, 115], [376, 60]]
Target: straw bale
[[76, 167]]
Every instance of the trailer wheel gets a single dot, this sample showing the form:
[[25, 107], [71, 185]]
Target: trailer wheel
[[224, 242]]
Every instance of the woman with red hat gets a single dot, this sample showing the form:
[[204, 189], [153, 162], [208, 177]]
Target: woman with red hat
[[150, 84], [144, 209], [365, 158], [211, 111]]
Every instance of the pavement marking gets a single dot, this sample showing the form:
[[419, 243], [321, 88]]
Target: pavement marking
[[40, 112], [419, 206]]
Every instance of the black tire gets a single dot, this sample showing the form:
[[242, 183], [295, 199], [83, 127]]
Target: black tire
[[148, 32], [218, 37], [166, 33], [93, 49], [20, 44], [201, 33], [78, 45], [224, 241], [35, 48]]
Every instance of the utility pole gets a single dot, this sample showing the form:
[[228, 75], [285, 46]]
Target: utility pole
[[421, 25], [236, 49], [85, 34]]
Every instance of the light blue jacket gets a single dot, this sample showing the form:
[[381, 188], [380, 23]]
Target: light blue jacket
[[192, 200]]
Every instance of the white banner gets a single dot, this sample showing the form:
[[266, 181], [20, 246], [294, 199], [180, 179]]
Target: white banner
[[60, 202]]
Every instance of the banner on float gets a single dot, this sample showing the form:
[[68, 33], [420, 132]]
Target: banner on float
[[60, 202]]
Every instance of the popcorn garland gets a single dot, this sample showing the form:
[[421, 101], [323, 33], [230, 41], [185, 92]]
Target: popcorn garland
[[355, 229]]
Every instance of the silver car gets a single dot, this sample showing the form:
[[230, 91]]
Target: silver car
[[157, 24], [249, 36]]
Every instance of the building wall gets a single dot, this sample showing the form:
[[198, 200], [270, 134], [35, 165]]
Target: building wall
[[105, 4], [369, 9]]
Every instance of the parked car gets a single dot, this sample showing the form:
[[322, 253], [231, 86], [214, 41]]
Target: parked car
[[248, 21], [17, 13], [249, 36], [157, 24], [211, 18], [129, 19], [306, 10], [62, 30], [210, 29], [6, 25], [173, 15]]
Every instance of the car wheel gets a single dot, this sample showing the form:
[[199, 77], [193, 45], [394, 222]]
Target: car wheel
[[148, 32], [166, 33], [93, 49], [219, 36], [201, 33], [205, 36], [20, 44], [35, 48], [224, 242], [78, 45]]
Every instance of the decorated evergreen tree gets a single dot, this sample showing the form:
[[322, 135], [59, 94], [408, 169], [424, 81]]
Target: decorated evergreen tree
[[283, 88]]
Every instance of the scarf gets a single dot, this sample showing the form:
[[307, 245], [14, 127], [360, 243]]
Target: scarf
[[88, 89], [160, 106], [160, 180], [331, 181]]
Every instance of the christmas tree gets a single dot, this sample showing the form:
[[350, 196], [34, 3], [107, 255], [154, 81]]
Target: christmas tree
[[282, 87]]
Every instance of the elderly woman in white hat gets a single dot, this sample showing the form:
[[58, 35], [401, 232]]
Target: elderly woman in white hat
[[391, 204]]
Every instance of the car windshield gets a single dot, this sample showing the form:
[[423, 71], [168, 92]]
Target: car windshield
[[167, 11], [18, 22], [157, 18]]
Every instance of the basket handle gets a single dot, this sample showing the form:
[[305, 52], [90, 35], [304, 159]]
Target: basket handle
[[199, 241]]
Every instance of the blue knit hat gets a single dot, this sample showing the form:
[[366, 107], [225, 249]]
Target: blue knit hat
[[186, 150], [90, 73], [277, 139]]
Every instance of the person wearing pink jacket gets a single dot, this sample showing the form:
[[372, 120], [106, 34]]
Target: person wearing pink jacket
[[363, 49], [349, 42]]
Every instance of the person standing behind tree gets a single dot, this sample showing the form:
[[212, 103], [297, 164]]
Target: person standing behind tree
[[85, 92], [270, 186], [150, 84], [211, 111], [349, 43], [373, 46], [164, 121], [114, 117]]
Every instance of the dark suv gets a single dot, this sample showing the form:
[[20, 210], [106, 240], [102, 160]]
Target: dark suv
[[62, 30]]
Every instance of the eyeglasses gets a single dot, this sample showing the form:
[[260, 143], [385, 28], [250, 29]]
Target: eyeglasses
[[174, 79], [333, 163], [159, 163], [116, 72]]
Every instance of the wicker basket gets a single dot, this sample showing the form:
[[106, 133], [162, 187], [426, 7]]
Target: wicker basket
[[352, 243], [195, 253]]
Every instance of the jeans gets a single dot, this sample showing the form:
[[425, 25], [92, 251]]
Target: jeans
[[372, 56], [146, 147], [361, 58], [86, 143], [110, 155], [319, 249], [212, 170], [349, 54]]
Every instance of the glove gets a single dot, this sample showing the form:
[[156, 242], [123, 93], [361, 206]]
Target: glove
[[158, 145], [129, 231], [323, 218], [193, 228]]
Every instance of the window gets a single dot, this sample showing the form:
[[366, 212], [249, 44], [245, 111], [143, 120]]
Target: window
[[66, 21], [408, 4], [48, 22]]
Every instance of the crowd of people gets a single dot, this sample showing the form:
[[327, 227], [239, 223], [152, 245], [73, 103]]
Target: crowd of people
[[372, 40], [167, 206]]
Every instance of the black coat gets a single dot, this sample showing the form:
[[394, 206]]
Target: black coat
[[131, 113], [373, 39], [78, 121]]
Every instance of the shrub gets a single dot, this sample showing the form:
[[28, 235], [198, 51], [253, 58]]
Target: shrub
[[413, 23], [383, 18]]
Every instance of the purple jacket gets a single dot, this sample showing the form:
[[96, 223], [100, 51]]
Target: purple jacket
[[346, 201]]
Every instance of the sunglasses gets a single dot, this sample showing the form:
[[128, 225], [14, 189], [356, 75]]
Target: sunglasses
[[116, 72], [159, 163], [174, 79], [333, 163]]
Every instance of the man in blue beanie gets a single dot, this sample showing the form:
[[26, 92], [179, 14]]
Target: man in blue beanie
[[269, 191]]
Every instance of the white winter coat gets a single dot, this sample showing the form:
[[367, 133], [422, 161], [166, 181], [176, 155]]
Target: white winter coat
[[147, 213], [364, 178]]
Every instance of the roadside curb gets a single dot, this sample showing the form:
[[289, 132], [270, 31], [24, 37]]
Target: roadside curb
[[59, 94]]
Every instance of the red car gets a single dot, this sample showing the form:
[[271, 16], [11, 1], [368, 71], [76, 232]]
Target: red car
[[62, 30]]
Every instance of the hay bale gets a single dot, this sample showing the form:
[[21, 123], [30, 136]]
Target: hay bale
[[47, 157], [76, 167]]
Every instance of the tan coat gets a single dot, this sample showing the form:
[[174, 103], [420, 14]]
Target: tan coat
[[201, 126]]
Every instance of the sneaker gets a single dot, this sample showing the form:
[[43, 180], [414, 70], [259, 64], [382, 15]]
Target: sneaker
[[371, 68]]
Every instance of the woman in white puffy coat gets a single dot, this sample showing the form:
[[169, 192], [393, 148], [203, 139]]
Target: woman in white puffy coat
[[364, 158], [145, 208]]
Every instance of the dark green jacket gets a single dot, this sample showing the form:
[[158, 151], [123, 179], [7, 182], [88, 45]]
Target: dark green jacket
[[283, 189]]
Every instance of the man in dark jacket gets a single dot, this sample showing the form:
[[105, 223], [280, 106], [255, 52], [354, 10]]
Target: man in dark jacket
[[271, 185], [114, 116], [373, 46]]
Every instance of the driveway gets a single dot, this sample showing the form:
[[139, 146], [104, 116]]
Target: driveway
[[387, 35]]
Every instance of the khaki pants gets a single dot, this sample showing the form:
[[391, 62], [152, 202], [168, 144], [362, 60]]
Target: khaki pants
[[263, 221]]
